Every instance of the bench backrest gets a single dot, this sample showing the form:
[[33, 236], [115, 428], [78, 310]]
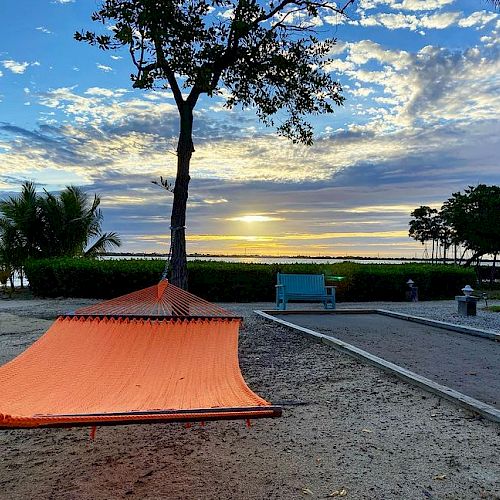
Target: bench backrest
[[308, 284]]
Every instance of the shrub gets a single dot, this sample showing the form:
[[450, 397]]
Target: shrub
[[237, 282]]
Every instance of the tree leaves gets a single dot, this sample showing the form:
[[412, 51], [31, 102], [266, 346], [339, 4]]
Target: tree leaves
[[266, 55], [48, 225]]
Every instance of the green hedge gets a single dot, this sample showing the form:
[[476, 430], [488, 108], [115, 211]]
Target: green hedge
[[237, 282]]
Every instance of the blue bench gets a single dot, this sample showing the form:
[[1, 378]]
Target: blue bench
[[304, 288]]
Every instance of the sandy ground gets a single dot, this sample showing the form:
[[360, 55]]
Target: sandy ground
[[470, 365], [347, 429]]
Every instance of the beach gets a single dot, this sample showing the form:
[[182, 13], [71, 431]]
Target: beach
[[348, 429]]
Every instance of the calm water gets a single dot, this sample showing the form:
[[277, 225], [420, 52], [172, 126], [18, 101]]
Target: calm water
[[270, 260]]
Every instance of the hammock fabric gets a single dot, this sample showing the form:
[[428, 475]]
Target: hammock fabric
[[157, 355]]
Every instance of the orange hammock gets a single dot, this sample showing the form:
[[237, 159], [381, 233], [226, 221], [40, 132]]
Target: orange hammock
[[157, 355]]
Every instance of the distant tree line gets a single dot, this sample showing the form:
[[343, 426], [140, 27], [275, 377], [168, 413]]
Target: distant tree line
[[34, 225], [468, 223]]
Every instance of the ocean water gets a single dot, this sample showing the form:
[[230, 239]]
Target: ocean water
[[270, 260]]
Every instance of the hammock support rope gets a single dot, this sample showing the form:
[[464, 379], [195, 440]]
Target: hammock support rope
[[156, 355]]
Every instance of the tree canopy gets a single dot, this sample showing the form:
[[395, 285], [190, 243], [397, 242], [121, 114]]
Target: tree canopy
[[470, 219], [266, 55], [474, 216]]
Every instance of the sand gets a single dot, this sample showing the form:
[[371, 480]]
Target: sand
[[347, 428]]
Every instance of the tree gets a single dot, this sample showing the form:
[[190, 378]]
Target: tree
[[37, 226], [266, 54], [425, 226], [72, 225], [474, 216]]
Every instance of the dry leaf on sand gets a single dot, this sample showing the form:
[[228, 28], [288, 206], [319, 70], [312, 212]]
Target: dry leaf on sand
[[338, 493]]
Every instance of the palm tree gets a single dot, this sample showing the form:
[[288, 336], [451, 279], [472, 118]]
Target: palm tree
[[48, 225], [21, 214], [71, 223]]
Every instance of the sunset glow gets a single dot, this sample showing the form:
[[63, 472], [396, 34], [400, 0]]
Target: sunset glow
[[420, 122]]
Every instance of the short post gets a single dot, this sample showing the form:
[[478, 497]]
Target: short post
[[467, 303], [412, 293]]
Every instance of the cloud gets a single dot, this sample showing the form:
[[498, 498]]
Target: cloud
[[105, 92], [425, 88], [391, 21], [214, 201], [252, 218], [14, 66], [426, 16], [104, 68], [411, 5], [45, 30], [478, 19]]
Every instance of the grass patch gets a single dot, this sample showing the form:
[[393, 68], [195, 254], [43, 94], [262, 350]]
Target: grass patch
[[495, 309], [491, 294]]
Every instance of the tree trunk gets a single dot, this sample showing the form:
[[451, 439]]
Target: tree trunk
[[179, 272]]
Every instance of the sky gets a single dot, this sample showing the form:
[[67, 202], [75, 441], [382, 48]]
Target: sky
[[421, 80]]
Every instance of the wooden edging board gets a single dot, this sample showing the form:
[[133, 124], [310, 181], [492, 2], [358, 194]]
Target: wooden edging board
[[487, 411]]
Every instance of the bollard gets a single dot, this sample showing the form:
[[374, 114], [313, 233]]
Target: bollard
[[412, 293], [467, 303]]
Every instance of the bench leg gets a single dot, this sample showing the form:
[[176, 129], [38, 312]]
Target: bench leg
[[329, 302], [280, 303]]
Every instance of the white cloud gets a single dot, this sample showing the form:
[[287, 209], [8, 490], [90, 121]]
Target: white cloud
[[420, 5], [362, 92], [427, 88], [98, 91], [104, 68], [14, 66], [410, 5], [215, 201], [409, 21], [43, 29], [116, 58], [478, 19], [365, 50]]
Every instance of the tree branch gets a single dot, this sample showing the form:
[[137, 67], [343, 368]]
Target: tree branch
[[161, 63]]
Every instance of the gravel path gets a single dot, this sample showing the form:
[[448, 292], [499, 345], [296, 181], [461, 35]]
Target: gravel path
[[468, 364], [347, 428]]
